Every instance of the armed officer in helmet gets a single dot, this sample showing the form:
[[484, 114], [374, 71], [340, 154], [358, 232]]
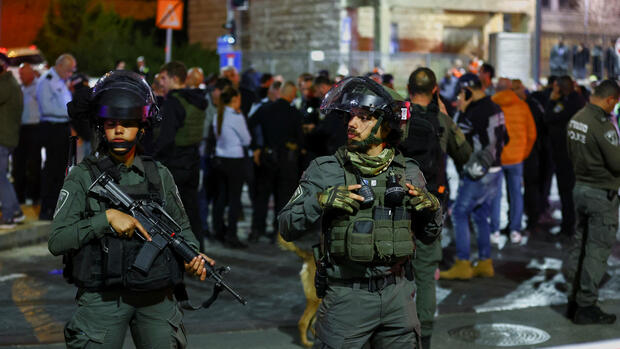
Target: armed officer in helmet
[[99, 241], [370, 201]]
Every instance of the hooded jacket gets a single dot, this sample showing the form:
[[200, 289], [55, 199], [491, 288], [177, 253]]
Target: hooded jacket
[[520, 126]]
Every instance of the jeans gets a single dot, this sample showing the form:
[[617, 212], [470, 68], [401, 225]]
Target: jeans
[[514, 178], [474, 197], [10, 205]]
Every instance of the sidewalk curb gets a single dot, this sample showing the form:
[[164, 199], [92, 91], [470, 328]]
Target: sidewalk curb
[[33, 233]]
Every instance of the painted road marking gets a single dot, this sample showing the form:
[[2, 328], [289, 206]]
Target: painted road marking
[[11, 277], [25, 292]]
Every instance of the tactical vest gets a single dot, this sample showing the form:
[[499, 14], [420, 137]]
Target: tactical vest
[[191, 131], [105, 263], [376, 235]]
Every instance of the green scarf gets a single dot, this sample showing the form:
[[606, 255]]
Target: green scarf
[[372, 165]]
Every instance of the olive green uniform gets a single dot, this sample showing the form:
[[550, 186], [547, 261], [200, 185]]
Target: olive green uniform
[[594, 150], [452, 142], [351, 314], [102, 317]]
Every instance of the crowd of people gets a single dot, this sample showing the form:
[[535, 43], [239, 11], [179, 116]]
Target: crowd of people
[[218, 133]]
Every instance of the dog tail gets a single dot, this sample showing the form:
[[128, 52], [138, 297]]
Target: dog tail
[[290, 246]]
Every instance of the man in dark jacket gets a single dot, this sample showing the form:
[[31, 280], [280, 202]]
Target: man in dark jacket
[[482, 122], [277, 170], [563, 103], [180, 133], [11, 105]]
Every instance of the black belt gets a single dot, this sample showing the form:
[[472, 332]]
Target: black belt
[[373, 284]]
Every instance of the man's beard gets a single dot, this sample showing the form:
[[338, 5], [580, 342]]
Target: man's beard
[[357, 146]]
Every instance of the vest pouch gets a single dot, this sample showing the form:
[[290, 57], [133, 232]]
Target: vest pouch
[[338, 234], [165, 271], [360, 238], [112, 248], [87, 266], [383, 232], [403, 238]]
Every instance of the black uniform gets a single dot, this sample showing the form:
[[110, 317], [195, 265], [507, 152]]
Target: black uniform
[[557, 116], [278, 173]]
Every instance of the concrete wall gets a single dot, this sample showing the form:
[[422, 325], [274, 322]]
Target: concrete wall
[[292, 25]]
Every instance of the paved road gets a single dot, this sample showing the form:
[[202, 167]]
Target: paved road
[[35, 302], [521, 306]]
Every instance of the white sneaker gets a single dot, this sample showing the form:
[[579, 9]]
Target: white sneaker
[[515, 237], [495, 237], [498, 239]]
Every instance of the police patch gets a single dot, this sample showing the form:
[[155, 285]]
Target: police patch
[[62, 199], [612, 137], [297, 194], [177, 196]]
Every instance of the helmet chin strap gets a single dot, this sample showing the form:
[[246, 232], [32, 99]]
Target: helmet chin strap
[[122, 148], [371, 139]]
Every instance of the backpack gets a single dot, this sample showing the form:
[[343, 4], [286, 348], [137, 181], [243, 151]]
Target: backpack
[[422, 143]]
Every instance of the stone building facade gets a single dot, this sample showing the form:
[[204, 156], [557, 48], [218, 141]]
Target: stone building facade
[[356, 36]]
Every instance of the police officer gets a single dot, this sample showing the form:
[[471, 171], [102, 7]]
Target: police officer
[[369, 200], [563, 103], [54, 130], [429, 149], [277, 161], [98, 239], [594, 150]]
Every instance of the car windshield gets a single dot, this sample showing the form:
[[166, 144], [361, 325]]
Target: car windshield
[[32, 59]]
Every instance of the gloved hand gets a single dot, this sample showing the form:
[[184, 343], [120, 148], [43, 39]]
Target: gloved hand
[[341, 198], [422, 199]]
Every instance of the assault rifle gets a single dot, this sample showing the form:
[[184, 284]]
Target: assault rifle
[[164, 231]]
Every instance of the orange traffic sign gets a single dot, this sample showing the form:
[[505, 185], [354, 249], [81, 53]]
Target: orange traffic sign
[[169, 14]]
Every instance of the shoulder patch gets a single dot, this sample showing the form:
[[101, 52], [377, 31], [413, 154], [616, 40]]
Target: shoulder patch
[[177, 196], [296, 195], [62, 199], [612, 137]]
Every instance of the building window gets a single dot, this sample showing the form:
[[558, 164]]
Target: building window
[[546, 4]]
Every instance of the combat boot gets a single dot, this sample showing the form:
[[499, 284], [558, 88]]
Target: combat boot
[[484, 268], [592, 315], [461, 270]]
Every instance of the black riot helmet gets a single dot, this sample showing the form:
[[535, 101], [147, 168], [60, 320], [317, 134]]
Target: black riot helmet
[[361, 94], [124, 95], [119, 95]]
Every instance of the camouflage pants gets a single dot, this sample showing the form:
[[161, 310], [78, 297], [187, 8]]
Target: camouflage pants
[[102, 318], [424, 265], [352, 318], [586, 260]]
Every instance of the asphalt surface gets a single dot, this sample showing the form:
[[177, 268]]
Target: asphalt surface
[[521, 307]]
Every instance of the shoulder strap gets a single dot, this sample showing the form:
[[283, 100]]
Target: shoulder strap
[[153, 178]]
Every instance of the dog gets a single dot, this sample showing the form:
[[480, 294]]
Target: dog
[[308, 269]]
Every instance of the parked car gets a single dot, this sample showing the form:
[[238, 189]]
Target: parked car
[[30, 54]]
